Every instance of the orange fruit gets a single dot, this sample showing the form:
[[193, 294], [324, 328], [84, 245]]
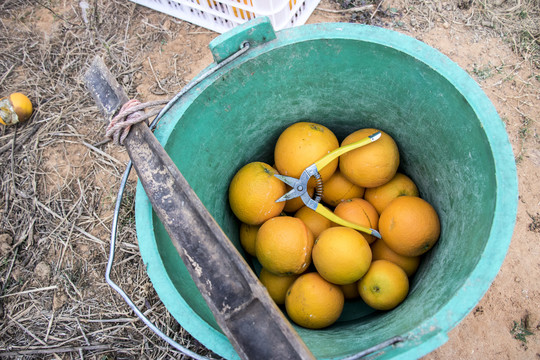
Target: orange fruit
[[381, 251], [373, 164], [384, 286], [296, 203], [360, 212], [276, 285], [302, 144], [314, 221], [409, 225], [248, 235], [381, 196], [341, 255], [338, 188], [253, 192], [15, 108], [350, 291], [313, 302], [284, 245]]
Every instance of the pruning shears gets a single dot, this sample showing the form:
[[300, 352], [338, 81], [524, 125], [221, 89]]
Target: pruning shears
[[299, 186]]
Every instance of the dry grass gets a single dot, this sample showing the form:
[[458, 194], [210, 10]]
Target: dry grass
[[56, 210], [517, 21]]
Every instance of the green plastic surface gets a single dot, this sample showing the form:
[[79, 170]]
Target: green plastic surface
[[346, 77], [255, 32]]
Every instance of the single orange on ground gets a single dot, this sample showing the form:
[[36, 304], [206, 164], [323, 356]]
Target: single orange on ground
[[284, 245], [381, 196], [341, 255], [276, 285], [384, 286], [381, 251], [248, 235], [350, 291], [301, 145], [409, 225], [15, 108], [373, 164], [314, 221], [339, 188], [360, 212], [253, 192], [314, 303], [296, 203]]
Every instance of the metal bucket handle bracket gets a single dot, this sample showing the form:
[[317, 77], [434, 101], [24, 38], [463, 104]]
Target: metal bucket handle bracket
[[255, 32]]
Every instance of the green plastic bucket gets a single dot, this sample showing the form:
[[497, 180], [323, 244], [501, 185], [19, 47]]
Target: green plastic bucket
[[346, 77]]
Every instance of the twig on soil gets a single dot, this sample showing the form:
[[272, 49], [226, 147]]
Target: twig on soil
[[47, 288], [20, 141], [56, 14], [15, 252], [5, 75], [74, 287], [200, 32], [49, 326], [513, 8], [346, 11], [82, 231], [101, 143], [62, 253], [52, 350], [377, 9], [28, 331], [82, 332], [12, 157], [102, 153], [155, 76]]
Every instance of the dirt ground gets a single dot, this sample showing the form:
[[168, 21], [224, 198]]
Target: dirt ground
[[59, 179]]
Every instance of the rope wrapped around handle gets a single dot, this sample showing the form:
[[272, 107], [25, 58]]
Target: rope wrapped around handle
[[131, 113]]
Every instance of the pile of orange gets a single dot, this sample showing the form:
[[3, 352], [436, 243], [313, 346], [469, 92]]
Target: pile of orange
[[312, 266]]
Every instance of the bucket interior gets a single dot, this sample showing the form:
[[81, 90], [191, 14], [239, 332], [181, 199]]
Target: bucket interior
[[345, 84]]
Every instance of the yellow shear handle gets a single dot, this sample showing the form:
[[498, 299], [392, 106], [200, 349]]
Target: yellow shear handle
[[322, 210], [327, 159]]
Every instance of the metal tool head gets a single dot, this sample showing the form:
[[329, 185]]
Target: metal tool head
[[300, 187], [105, 90], [376, 136], [289, 181]]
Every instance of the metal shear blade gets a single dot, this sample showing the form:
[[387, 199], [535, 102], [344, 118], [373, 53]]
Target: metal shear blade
[[297, 187]]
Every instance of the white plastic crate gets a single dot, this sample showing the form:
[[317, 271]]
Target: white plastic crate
[[224, 15]]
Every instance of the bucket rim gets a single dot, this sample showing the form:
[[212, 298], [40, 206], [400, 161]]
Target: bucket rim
[[505, 211]]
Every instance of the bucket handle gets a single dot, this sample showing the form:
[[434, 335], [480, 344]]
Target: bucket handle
[[119, 290], [373, 349]]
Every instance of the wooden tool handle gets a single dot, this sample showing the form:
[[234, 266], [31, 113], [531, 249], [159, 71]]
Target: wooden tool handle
[[241, 305]]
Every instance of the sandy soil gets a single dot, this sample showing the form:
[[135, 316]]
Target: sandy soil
[[486, 332], [511, 81]]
